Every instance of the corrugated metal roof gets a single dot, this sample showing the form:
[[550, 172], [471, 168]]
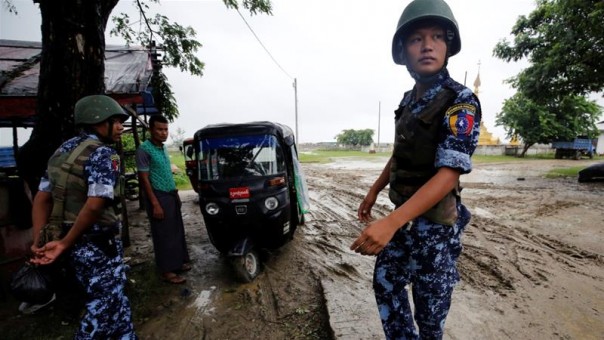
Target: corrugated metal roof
[[128, 71]]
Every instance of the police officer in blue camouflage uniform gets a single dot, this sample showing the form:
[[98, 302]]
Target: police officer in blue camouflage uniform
[[88, 190], [436, 131]]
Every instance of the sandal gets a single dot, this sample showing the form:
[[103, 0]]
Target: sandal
[[173, 278]]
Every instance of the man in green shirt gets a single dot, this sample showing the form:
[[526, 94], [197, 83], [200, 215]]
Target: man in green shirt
[[162, 203]]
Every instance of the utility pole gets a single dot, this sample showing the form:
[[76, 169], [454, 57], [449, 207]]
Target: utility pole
[[379, 121], [296, 107]]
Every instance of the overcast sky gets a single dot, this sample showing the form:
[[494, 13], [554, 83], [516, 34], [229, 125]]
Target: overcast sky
[[338, 50]]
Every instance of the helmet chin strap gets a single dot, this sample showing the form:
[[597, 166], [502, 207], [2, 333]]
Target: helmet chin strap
[[108, 139], [426, 79]]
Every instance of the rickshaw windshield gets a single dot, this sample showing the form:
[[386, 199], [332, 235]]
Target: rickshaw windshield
[[241, 156]]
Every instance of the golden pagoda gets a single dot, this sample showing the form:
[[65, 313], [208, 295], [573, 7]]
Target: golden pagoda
[[485, 138]]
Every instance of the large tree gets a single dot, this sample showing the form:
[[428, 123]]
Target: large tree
[[546, 122], [564, 42], [72, 65]]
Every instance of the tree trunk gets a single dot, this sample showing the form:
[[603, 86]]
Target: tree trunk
[[525, 149], [72, 66]]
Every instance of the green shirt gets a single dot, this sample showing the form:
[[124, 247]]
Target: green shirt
[[155, 160]]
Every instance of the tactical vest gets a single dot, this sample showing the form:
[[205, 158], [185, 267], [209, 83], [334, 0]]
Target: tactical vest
[[70, 187], [416, 141]]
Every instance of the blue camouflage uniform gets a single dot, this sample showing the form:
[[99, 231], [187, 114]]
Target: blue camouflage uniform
[[99, 270], [423, 254]]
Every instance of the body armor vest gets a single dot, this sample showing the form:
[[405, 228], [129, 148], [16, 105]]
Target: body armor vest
[[416, 141], [66, 174]]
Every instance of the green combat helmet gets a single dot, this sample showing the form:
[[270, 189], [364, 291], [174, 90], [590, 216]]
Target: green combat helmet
[[94, 109], [419, 10]]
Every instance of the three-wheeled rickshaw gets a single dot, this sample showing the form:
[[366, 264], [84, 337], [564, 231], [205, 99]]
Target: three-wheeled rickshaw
[[252, 193]]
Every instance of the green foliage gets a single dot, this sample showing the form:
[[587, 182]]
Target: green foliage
[[544, 122], [355, 137], [176, 41], [129, 148], [180, 178], [564, 42], [254, 6], [177, 44], [164, 97]]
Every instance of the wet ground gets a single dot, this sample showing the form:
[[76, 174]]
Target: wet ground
[[532, 265]]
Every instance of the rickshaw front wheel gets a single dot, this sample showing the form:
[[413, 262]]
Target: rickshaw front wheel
[[247, 267]]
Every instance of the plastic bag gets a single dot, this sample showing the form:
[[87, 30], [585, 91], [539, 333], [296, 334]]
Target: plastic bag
[[301, 188], [31, 284]]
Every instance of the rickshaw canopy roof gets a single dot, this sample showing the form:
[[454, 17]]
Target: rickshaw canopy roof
[[283, 132]]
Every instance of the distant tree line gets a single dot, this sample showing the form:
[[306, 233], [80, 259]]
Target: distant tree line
[[355, 137]]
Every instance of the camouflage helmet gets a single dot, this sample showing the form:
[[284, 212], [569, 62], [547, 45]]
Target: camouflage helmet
[[420, 10], [94, 109]]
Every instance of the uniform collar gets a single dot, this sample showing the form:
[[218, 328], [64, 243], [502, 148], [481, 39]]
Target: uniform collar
[[440, 79]]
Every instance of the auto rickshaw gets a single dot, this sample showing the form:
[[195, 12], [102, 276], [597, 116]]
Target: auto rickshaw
[[252, 192], [190, 163]]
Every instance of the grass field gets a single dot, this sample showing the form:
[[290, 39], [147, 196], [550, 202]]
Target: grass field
[[327, 156]]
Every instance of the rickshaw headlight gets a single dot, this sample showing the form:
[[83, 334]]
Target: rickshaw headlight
[[271, 203], [212, 208]]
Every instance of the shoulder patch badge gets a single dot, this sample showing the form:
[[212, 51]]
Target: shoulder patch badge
[[460, 119], [115, 162]]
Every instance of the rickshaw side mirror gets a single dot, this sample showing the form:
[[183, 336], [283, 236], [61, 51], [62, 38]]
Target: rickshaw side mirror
[[190, 151]]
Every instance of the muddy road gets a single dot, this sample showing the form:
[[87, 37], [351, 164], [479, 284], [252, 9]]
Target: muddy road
[[532, 266]]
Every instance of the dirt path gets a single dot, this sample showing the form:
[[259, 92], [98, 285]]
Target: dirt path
[[532, 265]]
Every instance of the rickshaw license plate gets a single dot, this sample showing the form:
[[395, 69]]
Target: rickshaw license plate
[[241, 209], [239, 193]]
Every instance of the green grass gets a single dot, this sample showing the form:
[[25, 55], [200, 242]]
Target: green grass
[[507, 159], [326, 156], [564, 172], [181, 179]]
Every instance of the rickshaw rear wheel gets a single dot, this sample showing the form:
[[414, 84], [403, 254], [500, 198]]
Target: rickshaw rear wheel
[[247, 267]]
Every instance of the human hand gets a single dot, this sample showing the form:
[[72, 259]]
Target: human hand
[[158, 212], [48, 253], [34, 248], [375, 237], [364, 211]]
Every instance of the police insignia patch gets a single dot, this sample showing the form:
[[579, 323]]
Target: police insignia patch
[[115, 162], [460, 118]]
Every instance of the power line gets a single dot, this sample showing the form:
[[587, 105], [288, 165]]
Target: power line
[[264, 47]]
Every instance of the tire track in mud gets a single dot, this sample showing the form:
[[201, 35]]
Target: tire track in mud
[[498, 257], [543, 286], [330, 229], [532, 265]]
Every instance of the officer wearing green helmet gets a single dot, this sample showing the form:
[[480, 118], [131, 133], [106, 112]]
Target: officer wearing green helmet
[[79, 196], [437, 126]]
